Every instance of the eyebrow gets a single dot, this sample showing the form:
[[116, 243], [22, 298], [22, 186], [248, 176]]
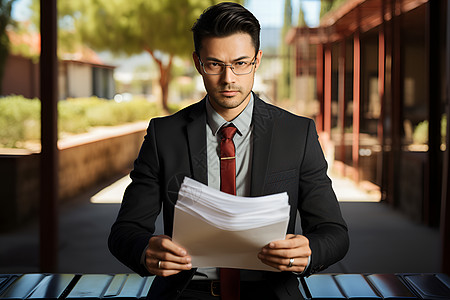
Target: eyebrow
[[218, 60]]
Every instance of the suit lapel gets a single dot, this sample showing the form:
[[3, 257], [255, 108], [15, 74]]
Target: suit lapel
[[262, 137], [196, 134]]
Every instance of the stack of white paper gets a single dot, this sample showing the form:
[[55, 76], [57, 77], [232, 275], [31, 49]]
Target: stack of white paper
[[222, 230]]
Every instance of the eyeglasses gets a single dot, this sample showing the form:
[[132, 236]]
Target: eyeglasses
[[239, 68]]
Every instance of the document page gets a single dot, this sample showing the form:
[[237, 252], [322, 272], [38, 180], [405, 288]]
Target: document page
[[223, 230]]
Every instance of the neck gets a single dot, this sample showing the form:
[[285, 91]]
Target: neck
[[230, 114]]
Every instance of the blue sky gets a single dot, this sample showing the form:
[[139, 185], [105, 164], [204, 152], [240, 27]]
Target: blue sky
[[20, 10], [269, 12]]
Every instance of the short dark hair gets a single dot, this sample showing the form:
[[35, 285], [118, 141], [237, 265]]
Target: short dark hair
[[225, 19]]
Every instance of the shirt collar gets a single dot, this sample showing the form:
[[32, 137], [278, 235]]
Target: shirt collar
[[242, 122]]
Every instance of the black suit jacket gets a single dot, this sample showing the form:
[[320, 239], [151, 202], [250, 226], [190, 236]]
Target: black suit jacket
[[287, 157]]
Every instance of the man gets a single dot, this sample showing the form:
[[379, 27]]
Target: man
[[275, 152]]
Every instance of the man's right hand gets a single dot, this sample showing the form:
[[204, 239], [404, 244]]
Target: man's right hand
[[164, 258]]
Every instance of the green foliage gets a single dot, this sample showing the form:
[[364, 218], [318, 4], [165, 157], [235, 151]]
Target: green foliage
[[161, 28], [329, 5], [284, 80], [20, 117], [301, 18], [134, 26], [19, 120], [420, 134], [25, 49]]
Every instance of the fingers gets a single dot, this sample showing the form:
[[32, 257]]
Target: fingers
[[164, 258], [163, 243], [283, 264], [291, 241], [290, 254], [166, 268]]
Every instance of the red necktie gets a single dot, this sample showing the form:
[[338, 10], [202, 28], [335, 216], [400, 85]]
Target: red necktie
[[229, 278]]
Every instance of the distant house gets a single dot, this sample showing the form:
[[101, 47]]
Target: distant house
[[81, 74]]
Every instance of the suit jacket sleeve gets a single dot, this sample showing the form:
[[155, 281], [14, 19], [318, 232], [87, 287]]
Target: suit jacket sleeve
[[320, 213], [141, 205]]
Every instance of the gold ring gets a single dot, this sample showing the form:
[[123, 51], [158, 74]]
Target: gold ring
[[291, 262], [159, 264]]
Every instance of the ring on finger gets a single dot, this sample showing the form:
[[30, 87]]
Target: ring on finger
[[291, 262], [159, 264]]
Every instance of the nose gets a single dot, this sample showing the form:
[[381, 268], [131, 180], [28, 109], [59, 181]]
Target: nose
[[228, 75]]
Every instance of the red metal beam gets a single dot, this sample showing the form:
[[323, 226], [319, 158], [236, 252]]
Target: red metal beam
[[361, 15], [49, 138], [341, 100], [381, 87], [356, 102], [319, 76], [327, 93]]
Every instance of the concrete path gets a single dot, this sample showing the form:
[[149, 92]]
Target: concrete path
[[382, 239]]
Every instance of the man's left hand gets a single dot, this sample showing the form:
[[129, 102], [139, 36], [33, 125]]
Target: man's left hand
[[290, 254]]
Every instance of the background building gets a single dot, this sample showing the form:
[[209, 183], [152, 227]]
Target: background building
[[81, 74]]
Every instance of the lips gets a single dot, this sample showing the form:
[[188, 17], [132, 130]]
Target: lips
[[228, 93]]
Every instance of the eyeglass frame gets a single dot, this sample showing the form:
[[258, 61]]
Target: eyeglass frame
[[253, 62]]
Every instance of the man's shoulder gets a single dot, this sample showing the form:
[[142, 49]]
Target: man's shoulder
[[185, 114]]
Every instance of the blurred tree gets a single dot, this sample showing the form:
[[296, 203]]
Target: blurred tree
[[162, 28], [5, 20], [325, 6], [301, 16], [284, 81], [329, 5]]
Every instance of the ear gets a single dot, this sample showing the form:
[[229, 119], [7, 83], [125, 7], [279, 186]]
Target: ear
[[258, 59], [197, 62]]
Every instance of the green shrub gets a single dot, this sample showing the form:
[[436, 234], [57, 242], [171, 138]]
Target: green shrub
[[420, 135], [19, 120], [20, 117]]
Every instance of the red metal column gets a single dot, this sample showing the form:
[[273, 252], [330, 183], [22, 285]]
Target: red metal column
[[381, 89], [320, 79], [327, 92], [49, 138], [356, 102], [341, 102]]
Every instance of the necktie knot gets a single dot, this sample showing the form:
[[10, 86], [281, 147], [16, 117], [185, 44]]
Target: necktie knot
[[228, 132]]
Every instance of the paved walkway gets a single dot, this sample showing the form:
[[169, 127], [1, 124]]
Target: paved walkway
[[382, 239]]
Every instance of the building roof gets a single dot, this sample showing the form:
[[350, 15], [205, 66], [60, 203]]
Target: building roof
[[312, 35], [26, 43], [85, 55], [351, 16], [363, 15], [29, 44]]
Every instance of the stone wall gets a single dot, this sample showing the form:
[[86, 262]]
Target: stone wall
[[19, 187], [84, 160]]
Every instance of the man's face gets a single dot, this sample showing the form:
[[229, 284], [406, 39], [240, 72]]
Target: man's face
[[228, 93]]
